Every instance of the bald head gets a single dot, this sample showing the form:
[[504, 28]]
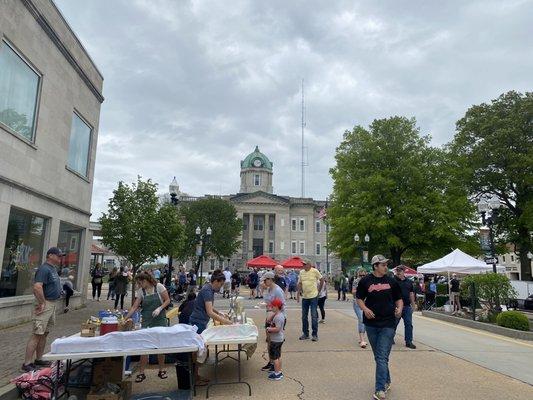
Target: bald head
[[278, 269]]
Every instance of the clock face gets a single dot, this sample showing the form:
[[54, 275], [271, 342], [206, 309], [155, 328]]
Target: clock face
[[257, 162]]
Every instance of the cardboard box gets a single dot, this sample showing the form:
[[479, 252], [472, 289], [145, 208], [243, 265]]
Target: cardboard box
[[87, 330], [124, 394], [107, 370]]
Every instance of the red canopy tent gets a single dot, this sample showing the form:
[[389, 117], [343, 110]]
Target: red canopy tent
[[262, 261], [293, 262], [409, 272]]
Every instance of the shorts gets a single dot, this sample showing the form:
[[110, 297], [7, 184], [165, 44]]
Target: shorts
[[274, 350], [43, 321], [454, 295], [252, 286]]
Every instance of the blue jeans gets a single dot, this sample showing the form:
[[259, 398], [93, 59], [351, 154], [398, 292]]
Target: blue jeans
[[306, 304], [359, 314], [381, 342], [407, 315]]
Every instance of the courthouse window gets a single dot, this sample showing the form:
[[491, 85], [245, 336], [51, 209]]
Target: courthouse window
[[257, 180], [23, 253], [19, 93], [293, 247], [80, 142], [302, 247], [318, 249], [302, 224], [317, 226], [293, 224]]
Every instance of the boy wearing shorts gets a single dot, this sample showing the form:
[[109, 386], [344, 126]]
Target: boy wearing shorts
[[277, 337]]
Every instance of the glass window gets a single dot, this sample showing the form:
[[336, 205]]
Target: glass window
[[318, 249], [302, 247], [69, 241], [282, 245], [258, 223], [80, 141], [293, 224], [19, 87], [302, 224], [317, 226], [257, 180], [23, 253], [293, 247], [271, 247]]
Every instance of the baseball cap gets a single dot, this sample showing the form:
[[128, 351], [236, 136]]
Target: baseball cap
[[55, 251], [276, 303], [378, 258], [307, 261], [268, 275]]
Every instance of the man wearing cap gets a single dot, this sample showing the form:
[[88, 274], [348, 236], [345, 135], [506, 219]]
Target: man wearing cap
[[310, 283], [380, 298], [47, 292], [409, 304]]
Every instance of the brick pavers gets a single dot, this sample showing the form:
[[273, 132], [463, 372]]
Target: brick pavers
[[13, 340]]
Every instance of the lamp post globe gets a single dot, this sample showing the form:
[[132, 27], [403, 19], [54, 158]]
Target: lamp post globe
[[367, 238], [356, 238], [198, 231]]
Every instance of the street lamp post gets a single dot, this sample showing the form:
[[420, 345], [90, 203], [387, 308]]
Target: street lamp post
[[173, 190], [202, 241], [328, 269], [360, 247], [488, 208]]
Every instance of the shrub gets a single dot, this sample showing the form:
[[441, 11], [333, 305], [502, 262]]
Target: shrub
[[513, 320], [493, 289]]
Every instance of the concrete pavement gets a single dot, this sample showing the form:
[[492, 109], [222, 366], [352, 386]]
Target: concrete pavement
[[450, 362]]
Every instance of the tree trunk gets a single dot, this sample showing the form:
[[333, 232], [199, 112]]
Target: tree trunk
[[396, 255]]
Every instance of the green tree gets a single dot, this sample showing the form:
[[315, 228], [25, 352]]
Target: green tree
[[492, 289], [221, 217], [494, 145], [136, 227], [389, 183]]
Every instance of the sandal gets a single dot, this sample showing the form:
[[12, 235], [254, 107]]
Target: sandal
[[162, 374], [139, 378]]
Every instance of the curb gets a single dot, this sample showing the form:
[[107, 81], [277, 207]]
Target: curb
[[500, 330], [9, 392]]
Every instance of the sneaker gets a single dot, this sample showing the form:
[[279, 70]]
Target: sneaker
[[322, 321], [304, 337], [42, 363], [387, 387], [28, 367], [314, 338], [380, 395], [268, 367], [273, 376], [65, 310], [410, 345]]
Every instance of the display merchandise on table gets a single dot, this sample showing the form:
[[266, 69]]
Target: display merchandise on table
[[179, 335]]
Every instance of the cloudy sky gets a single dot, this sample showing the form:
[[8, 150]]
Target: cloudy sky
[[192, 86]]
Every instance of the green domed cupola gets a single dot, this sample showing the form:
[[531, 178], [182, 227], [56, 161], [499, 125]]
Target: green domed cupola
[[256, 173], [256, 160]]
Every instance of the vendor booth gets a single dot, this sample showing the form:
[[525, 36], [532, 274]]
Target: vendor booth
[[262, 261], [293, 262]]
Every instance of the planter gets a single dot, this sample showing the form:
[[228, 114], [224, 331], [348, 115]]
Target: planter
[[512, 333]]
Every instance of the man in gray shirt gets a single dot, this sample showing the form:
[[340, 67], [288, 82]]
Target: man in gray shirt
[[47, 292]]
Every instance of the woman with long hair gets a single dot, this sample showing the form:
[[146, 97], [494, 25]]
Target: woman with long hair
[[358, 312], [154, 298], [97, 279]]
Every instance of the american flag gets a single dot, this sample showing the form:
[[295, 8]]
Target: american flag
[[322, 213]]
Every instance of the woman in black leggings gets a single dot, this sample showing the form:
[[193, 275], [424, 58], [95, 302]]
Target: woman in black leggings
[[121, 287], [97, 280], [322, 296]]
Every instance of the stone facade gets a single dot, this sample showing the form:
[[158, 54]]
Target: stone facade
[[278, 226], [37, 181]]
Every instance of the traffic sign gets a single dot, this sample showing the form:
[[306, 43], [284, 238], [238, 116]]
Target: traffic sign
[[490, 260]]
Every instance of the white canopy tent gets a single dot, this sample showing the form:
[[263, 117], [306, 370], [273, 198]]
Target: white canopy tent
[[458, 262]]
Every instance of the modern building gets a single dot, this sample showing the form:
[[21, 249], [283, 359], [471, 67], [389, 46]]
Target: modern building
[[275, 225], [50, 98]]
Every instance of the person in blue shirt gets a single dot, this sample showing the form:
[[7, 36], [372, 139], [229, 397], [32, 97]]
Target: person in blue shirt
[[47, 292]]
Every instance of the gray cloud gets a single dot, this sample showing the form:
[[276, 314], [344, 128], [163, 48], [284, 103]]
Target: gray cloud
[[192, 87]]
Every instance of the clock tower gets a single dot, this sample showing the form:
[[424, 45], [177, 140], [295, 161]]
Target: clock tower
[[256, 173]]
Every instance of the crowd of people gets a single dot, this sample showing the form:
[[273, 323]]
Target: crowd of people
[[380, 301]]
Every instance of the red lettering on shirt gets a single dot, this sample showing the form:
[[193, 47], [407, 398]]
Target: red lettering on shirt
[[378, 287]]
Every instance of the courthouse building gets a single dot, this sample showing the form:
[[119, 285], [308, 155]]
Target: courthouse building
[[275, 225], [50, 98]]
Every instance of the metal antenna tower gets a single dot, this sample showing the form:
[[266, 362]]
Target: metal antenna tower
[[303, 143]]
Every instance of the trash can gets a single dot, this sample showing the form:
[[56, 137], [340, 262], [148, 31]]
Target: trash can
[[182, 371]]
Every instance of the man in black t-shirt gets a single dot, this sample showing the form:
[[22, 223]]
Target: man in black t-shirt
[[409, 304], [380, 298]]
